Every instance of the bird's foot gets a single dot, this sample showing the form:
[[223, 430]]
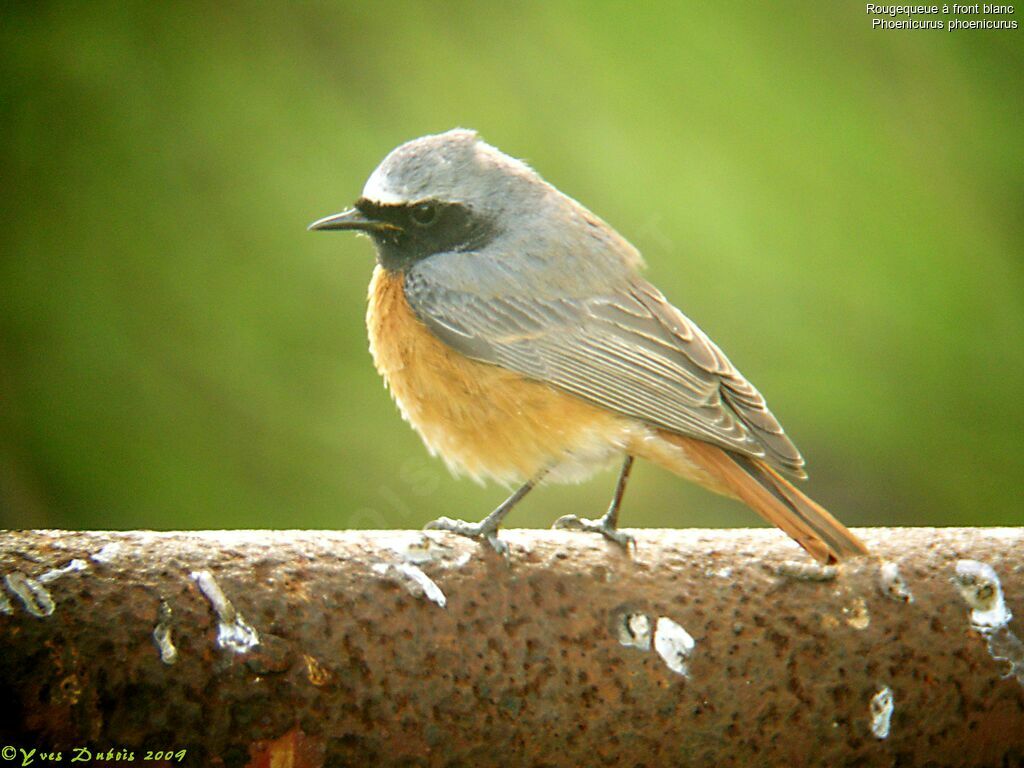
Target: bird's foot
[[472, 530], [603, 526]]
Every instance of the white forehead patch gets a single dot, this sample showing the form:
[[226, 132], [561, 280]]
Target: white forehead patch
[[378, 190], [455, 166]]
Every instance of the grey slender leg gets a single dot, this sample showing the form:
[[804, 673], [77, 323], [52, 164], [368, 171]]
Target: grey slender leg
[[488, 527], [607, 525]]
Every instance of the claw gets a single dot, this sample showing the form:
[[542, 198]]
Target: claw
[[470, 530], [569, 523], [497, 544], [624, 540], [442, 524], [602, 526]]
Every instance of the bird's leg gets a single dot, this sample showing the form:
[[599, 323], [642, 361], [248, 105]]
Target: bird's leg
[[488, 527], [607, 525]]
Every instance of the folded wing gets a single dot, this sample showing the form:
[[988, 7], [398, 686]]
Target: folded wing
[[629, 351]]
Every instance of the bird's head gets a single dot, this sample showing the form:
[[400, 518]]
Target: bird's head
[[449, 192]]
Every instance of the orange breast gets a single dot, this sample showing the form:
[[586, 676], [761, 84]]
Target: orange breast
[[482, 419]]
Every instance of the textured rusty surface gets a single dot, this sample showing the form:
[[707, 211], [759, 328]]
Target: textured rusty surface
[[374, 649]]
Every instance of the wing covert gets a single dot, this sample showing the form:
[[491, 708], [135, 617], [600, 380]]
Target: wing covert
[[630, 351]]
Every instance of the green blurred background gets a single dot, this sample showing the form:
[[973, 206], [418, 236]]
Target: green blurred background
[[841, 209]]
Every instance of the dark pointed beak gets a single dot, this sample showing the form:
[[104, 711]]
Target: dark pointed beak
[[351, 219]]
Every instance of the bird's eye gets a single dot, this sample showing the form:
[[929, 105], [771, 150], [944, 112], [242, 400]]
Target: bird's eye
[[424, 214]]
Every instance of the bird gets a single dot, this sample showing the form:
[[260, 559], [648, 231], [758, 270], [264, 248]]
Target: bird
[[518, 338]]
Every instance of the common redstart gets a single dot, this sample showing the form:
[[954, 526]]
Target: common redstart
[[518, 338]]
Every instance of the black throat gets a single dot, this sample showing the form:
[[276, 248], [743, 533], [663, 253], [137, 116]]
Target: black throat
[[423, 229]]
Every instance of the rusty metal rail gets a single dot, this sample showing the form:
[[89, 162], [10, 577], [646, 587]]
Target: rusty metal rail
[[390, 648]]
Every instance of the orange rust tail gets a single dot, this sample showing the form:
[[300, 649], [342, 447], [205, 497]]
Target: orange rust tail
[[773, 497]]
